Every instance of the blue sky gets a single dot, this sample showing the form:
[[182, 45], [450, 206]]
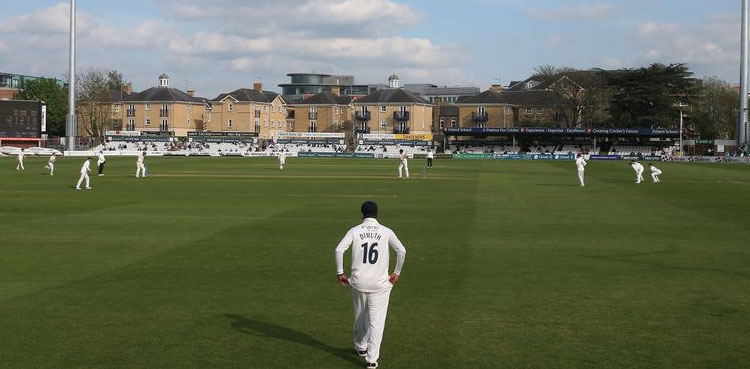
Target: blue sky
[[215, 46]]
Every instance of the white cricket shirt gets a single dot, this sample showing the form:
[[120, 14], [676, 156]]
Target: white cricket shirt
[[403, 158], [86, 167], [370, 255], [430, 155], [101, 159], [580, 163], [638, 167]]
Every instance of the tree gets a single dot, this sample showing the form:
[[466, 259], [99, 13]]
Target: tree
[[56, 99], [94, 103], [714, 109], [649, 96], [581, 94], [114, 80]]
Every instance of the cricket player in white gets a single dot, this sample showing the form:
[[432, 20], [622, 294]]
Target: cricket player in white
[[371, 284], [282, 159], [638, 168], [140, 168], [19, 159], [655, 173], [100, 162], [403, 164], [581, 164], [85, 169], [51, 164], [430, 156]]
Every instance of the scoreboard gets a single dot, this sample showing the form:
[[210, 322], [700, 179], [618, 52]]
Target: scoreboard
[[21, 120]]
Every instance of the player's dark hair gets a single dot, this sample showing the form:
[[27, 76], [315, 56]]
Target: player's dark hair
[[369, 209]]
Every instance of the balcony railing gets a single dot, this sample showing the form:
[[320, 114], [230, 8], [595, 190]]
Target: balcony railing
[[163, 113], [131, 113], [313, 115], [363, 116], [402, 116], [362, 130], [480, 118], [401, 130]]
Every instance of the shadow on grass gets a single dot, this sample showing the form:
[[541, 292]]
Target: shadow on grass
[[265, 329]]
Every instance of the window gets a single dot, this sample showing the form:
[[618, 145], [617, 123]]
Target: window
[[229, 123], [272, 124], [265, 108], [164, 106], [335, 125], [230, 107], [540, 111], [335, 110], [528, 111], [383, 108], [164, 125], [481, 110], [453, 123], [265, 123], [273, 109], [257, 126], [148, 121], [131, 125], [442, 124], [131, 107], [382, 124], [148, 106], [117, 108], [313, 126]]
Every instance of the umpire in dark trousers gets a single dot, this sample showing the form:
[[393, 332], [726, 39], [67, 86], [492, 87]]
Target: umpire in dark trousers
[[101, 160]]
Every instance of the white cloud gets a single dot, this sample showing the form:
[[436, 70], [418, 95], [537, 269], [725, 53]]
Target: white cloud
[[221, 45], [569, 13], [711, 47]]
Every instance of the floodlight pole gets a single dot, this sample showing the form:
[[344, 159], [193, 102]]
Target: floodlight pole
[[742, 119], [71, 128]]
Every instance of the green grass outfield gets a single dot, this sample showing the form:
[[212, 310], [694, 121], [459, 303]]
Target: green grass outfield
[[228, 263]]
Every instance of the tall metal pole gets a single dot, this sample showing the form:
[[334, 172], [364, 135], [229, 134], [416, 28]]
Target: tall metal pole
[[742, 120], [71, 128]]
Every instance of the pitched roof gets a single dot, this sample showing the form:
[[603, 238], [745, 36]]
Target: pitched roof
[[160, 94], [326, 98], [393, 95], [246, 95]]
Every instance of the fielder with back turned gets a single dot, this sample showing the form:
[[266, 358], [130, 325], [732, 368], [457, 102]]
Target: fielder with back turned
[[370, 282]]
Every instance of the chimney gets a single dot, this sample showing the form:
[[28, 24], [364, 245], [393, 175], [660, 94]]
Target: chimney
[[191, 93], [336, 89], [127, 88], [496, 88], [258, 86]]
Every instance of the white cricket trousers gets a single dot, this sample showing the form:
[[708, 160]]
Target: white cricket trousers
[[281, 163], [401, 168], [20, 165], [638, 176], [140, 170], [655, 176], [83, 176], [370, 309], [580, 177], [51, 167]]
